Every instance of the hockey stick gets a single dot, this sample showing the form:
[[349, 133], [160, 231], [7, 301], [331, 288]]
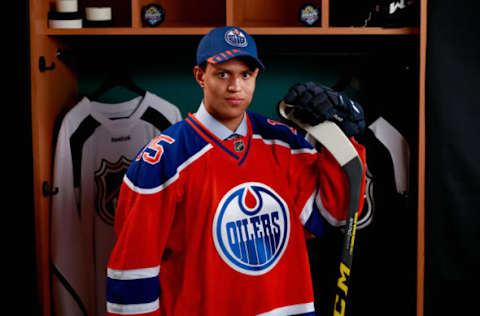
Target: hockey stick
[[337, 143]]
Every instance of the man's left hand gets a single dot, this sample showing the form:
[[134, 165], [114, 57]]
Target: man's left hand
[[315, 103]]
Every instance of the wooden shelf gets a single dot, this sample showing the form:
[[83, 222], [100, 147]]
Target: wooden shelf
[[254, 30], [279, 30], [194, 17], [183, 30]]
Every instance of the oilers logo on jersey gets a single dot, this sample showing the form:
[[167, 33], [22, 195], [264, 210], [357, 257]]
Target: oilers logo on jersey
[[251, 228]]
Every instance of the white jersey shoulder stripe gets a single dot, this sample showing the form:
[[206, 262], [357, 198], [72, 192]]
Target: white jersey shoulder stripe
[[284, 144], [326, 214], [133, 274], [290, 310], [307, 209], [172, 179]]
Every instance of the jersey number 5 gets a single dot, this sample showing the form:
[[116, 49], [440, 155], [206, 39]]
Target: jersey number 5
[[154, 151]]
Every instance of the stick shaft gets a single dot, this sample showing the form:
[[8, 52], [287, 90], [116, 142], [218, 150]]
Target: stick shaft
[[337, 143]]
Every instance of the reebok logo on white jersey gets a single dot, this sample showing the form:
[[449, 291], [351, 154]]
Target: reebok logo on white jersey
[[396, 5]]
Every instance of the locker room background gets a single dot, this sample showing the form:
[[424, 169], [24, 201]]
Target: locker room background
[[452, 257], [384, 73], [377, 65]]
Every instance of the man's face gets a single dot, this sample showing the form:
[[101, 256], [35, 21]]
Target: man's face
[[228, 90]]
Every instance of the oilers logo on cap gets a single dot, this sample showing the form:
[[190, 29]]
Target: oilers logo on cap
[[236, 38], [251, 228]]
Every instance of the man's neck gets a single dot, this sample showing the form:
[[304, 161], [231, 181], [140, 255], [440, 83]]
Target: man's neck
[[219, 128], [232, 124]]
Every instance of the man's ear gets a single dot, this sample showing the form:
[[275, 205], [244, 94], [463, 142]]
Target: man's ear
[[255, 72], [199, 75]]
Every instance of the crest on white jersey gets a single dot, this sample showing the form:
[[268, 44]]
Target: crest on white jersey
[[366, 218], [108, 179], [251, 228]]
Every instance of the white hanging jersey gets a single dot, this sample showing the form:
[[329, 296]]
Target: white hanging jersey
[[95, 145]]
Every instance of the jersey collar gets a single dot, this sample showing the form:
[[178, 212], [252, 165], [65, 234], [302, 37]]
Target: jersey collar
[[204, 132], [217, 128]]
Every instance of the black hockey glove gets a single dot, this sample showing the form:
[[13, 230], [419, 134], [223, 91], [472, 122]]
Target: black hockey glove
[[315, 103]]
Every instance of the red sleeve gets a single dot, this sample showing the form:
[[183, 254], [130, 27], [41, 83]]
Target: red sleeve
[[142, 225], [143, 222]]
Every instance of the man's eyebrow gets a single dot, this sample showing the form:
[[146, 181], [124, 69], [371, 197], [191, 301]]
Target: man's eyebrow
[[222, 69], [219, 68]]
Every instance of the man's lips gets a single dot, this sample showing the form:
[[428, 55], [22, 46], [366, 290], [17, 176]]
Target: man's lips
[[234, 100]]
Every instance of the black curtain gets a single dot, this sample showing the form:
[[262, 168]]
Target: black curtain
[[20, 202], [453, 158]]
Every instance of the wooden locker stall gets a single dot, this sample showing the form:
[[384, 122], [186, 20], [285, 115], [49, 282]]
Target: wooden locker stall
[[55, 83]]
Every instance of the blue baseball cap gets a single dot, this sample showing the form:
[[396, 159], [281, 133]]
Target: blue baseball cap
[[224, 43]]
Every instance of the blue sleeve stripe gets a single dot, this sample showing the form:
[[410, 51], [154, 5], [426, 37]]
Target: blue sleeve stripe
[[139, 291], [311, 218], [316, 224]]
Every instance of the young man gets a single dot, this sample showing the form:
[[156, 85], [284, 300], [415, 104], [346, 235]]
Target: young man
[[211, 215]]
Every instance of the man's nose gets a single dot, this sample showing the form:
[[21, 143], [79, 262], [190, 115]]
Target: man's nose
[[234, 84]]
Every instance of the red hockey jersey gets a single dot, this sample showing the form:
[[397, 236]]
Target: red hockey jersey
[[213, 227]]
